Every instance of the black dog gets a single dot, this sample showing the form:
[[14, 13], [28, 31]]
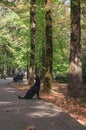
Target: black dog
[[33, 90]]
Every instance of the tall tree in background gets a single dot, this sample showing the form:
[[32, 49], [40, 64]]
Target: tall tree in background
[[49, 47], [75, 83], [33, 40], [49, 43]]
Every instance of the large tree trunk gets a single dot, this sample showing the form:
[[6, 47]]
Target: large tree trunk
[[49, 43], [33, 40], [75, 83], [49, 48]]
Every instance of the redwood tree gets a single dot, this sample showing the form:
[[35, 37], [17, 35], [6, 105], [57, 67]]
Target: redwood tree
[[75, 83], [33, 40], [49, 43], [49, 48]]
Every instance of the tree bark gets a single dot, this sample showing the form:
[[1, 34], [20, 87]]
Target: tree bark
[[49, 42], [49, 49], [33, 40], [75, 83]]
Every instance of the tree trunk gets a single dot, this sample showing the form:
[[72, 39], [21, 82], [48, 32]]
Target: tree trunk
[[49, 44], [33, 40], [49, 48], [75, 83]]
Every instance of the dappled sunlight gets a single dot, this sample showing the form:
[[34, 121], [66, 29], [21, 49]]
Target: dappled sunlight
[[42, 114], [45, 110], [11, 91], [47, 107], [9, 88], [4, 103]]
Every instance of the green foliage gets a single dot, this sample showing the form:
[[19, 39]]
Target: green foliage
[[13, 38], [61, 39], [40, 33], [15, 34]]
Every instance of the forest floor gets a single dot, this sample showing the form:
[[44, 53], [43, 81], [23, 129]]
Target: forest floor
[[58, 96]]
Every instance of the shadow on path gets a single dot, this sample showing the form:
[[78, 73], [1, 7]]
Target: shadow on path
[[17, 114]]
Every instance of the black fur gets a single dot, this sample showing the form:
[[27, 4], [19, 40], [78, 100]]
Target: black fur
[[33, 90]]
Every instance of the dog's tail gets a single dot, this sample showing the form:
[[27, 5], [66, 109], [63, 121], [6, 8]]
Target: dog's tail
[[20, 97]]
